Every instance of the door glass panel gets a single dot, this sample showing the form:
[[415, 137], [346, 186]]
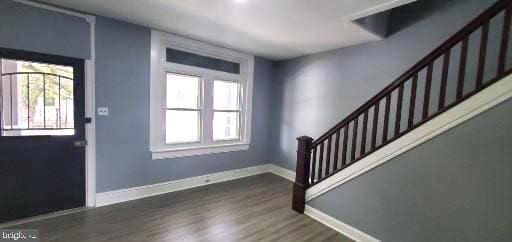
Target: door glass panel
[[36, 99]]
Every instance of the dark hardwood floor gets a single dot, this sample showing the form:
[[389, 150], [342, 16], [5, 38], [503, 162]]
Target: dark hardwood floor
[[256, 208]]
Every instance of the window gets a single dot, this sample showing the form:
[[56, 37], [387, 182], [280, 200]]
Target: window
[[182, 115], [200, 98], [226, 110], [35, 99]]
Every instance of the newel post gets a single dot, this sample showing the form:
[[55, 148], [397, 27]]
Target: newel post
[[302, 173]]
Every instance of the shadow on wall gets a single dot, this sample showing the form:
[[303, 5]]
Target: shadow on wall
[[406, 15], [377, 23]]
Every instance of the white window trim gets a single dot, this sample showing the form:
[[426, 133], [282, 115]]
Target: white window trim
[[159, 42]]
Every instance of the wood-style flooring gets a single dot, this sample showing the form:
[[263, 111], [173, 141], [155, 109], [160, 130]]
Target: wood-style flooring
[[256, 208]]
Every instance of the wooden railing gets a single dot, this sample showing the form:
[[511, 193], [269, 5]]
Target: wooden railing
[[399, 108]]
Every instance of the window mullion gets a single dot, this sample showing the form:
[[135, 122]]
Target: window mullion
[[241, 116], [207, 113]]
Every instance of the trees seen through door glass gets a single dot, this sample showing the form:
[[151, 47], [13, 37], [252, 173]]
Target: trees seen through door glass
[[36, 99]]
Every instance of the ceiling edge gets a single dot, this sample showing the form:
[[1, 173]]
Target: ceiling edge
[[378, 9]]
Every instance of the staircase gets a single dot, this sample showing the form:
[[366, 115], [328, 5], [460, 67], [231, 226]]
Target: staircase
[[410, 101]]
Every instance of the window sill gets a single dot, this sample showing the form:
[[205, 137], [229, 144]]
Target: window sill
[[158, 154]]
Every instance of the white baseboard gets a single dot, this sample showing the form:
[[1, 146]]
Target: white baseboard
[[339, 226], [480, 102], [282, 172], [123, 195], [128, 194]]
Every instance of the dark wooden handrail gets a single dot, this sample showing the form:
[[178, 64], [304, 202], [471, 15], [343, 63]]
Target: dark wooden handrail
[[432, 56], [315, 163]]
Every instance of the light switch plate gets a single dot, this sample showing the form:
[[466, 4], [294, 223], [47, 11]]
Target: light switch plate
[[102, 111]]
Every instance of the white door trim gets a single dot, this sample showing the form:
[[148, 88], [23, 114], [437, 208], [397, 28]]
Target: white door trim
[[473, 106], [90, 112], [90, 100]]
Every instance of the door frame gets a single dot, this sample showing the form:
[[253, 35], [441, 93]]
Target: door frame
[[90, 100]]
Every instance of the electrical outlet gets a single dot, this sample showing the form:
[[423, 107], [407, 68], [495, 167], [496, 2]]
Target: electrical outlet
[[102, 111]]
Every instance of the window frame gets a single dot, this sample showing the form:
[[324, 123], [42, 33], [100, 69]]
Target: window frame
[[160, 41], [239, 109], [199, 109]]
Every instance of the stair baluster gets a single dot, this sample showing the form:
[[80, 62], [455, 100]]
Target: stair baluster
[[426, 67]]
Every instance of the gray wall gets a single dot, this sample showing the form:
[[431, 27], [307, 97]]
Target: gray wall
[[452, 188], [27, 28], [122, 84], [456, 187], [315, 92]]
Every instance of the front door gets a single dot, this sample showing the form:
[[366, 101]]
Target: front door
[[42, 136]]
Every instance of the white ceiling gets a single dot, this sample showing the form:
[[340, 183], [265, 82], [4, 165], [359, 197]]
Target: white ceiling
[[276, 29]]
